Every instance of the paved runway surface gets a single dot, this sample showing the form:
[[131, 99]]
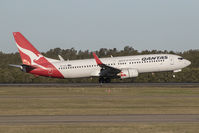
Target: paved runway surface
[[96, 97], [46, 119], [107, 84]]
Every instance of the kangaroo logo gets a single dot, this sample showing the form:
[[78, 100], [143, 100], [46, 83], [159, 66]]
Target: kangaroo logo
[[33, 57]]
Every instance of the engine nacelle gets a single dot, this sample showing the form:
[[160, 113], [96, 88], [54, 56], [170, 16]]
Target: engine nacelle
[[128, 73]]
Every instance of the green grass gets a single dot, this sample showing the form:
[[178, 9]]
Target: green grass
[[99, 100]]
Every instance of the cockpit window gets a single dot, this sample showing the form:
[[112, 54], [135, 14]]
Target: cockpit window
[[180, 58]]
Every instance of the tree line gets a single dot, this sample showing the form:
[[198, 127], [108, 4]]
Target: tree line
[[14, 75]]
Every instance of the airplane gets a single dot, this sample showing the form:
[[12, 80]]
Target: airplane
[[105, 69]]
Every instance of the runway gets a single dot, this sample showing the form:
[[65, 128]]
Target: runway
[[106, 84], [54, 119]]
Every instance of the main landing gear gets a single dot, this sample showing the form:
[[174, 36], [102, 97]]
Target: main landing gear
[[104, 80]]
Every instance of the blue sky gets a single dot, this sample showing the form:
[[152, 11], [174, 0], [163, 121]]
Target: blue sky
[[94, 24]]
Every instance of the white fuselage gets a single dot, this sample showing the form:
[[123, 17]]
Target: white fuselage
[[105, 68], [142, 63]]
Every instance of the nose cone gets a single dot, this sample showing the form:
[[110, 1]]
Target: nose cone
[[187, 62]]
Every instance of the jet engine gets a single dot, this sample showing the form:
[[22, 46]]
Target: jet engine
[[128, 73]]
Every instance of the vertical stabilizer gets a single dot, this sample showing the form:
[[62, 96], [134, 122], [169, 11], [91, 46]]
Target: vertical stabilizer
[[31, 56]]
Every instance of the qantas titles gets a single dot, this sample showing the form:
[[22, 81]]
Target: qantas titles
[[155, 58]]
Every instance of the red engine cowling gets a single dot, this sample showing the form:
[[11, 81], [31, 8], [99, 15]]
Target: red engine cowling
[[128, 73]]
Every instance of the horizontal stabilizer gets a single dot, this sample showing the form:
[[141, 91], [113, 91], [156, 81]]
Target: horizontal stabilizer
[[23, 67], [18, 66]]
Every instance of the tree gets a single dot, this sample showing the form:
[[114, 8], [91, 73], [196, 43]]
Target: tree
[[14, 75]]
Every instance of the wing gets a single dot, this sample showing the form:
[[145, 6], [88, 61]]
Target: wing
[[106, 71]]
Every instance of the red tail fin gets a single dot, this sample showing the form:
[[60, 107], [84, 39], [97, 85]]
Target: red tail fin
[[31, 57], [27, 51]]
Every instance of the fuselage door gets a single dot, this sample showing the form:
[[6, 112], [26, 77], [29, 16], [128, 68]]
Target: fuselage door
[[171, 60]]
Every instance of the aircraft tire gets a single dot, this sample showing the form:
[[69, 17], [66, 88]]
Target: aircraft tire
[[107, 80], [104, 80]]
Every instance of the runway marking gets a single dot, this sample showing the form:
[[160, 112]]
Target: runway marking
[[108, 84]]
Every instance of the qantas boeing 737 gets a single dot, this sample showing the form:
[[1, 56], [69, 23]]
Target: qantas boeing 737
[[34, 62]]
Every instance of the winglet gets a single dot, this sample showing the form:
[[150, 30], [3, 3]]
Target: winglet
[[97, 59], [61, 58]]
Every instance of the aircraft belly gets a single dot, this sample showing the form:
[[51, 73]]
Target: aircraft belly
[[153, 68], [77, 73]]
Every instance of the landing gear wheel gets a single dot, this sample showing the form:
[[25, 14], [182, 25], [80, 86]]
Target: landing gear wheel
[[107, 80], [104, 80]]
